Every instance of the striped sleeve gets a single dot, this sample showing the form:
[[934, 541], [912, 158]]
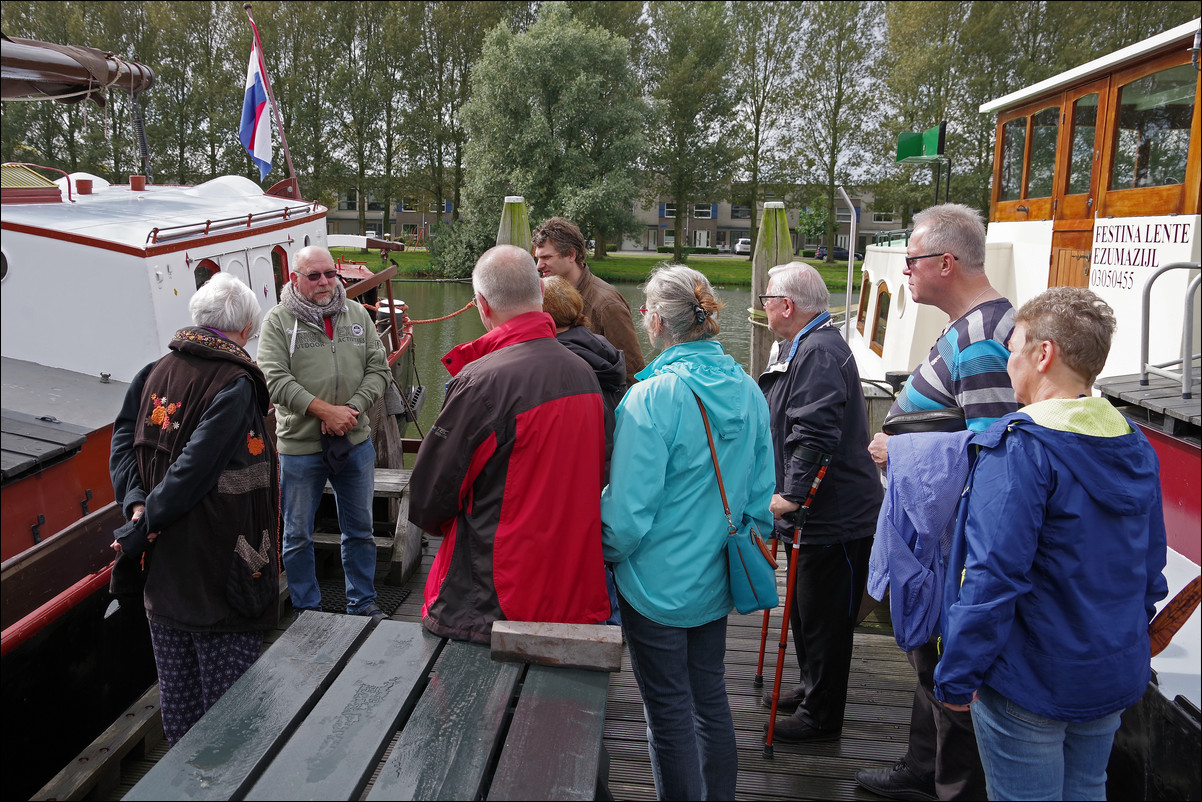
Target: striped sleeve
[[967, 368]]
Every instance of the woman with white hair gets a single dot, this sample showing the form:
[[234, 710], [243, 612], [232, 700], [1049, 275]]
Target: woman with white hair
[[195, 472], [664, 529]]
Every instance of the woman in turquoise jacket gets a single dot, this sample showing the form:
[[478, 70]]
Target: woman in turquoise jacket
[[664, 529]]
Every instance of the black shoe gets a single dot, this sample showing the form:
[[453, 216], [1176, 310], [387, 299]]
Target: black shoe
[[791, 729], [789, 700], [899, 782], [373, 610]]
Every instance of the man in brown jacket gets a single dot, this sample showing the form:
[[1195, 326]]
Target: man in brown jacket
[[559, 248]]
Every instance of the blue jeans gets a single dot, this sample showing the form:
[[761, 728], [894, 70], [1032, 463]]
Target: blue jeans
[[1028, 756], [681, 675], [302, 483], [615, 612]]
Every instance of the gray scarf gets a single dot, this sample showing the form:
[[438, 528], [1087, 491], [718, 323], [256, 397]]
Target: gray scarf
[[306, 310]]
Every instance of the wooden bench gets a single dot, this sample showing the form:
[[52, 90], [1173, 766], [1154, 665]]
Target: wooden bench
[[400, 553], [220, 757], [428, 717], [561, 712]]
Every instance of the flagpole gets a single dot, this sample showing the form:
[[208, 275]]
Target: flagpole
[[279, 123]]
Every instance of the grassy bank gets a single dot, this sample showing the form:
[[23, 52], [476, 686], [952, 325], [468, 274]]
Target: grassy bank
[[727, 271]]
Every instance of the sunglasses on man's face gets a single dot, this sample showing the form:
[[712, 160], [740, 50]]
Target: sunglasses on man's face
[[329, 274]]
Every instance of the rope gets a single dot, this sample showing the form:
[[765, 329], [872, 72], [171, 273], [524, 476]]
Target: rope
[[470, 304]]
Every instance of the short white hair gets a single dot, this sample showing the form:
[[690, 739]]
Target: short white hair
[[506, 277], [802, 284], [226, 304]]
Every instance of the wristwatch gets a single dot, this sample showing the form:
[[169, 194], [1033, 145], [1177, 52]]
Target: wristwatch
[[352, 406]]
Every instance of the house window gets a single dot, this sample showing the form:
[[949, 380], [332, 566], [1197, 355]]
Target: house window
[[349, 201], [740, 211], [703, 211], [842, 215], [669, 210], [669, 237], [882, 217]]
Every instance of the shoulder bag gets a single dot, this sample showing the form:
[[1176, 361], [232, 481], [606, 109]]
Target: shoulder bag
[[752, 569]]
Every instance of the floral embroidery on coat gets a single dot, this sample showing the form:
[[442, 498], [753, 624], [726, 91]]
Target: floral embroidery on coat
[[163, 410], [254, 444]]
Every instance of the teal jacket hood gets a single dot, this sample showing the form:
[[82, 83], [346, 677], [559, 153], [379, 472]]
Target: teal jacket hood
[[714, 376]]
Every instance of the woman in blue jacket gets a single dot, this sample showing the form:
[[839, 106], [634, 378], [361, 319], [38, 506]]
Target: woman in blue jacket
[[1062, 545], [664, 529]]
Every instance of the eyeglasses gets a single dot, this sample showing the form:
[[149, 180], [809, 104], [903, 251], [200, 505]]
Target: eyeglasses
[[910, 260], [764, 298], [329, 274]]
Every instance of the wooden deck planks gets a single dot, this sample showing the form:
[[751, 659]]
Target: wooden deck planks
[[880, 693]]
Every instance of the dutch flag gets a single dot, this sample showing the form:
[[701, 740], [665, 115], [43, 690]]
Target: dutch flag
[[255, 130]]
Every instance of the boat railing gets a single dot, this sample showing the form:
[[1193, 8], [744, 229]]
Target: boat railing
[[158, 235], [1186, 362], [900, 236], [396, 337]]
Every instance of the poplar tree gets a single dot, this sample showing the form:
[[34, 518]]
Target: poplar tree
[[690, 154], [556, 116]]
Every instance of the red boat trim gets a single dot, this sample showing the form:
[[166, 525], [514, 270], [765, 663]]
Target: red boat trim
[[52, 610]]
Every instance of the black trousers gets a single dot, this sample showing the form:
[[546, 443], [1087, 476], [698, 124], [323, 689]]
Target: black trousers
[[943, 745], [829, 586]]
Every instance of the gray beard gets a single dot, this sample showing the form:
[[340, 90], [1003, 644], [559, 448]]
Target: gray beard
[[309, 312]]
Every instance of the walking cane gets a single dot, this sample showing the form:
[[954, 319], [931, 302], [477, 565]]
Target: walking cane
[[824, 462], [758, 682]]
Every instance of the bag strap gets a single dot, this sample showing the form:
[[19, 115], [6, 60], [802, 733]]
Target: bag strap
[[714, 453]]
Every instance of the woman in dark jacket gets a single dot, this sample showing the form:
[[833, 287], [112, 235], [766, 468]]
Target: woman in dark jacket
[[195, 473], [563, 303]]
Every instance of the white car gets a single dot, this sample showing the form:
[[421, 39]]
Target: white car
[[743, 246]]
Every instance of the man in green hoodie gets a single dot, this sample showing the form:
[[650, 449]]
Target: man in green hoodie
[[325, 367]]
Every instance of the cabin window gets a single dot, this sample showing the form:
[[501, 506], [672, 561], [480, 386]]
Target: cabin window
[[1153, 120], [1014, 144], [279, 268], [1044, 128], [880, 319], [862, 312], [1084, 123], [205, 271]]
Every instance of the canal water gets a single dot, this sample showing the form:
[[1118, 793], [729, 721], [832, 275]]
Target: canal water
[[434, 299]]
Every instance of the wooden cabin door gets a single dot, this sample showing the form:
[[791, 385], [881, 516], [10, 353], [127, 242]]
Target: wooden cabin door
[[1078, 168]]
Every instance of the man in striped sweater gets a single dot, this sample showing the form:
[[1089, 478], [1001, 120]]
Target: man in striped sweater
[[966, 369]]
